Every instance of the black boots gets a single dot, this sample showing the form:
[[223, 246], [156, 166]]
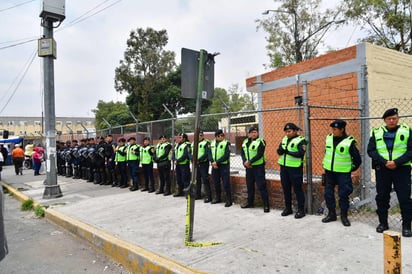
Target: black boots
[[266, 208], [406, 229], [331, 216], [344, 218], [300, 213], [287, 211], [228, 201], [383, 224]]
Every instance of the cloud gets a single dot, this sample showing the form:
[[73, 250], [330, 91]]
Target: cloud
[[88, 52]]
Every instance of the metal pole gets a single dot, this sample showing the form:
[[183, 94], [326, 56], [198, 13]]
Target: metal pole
[[52, 189], [107, 123], [136, 121], [306, 112], [192, 186]]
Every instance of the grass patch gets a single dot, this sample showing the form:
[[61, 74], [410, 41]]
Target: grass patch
[[27, 205], [39, 211]]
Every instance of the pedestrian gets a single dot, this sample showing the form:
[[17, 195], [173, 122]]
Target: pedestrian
[[3, 241], [37, 160], [1, 164], [132, 157], [146, 158], [4, 152], [162, 158], [292, 151], [341, 158], [202, 176], [219, 157], [121, 163], [182, 157], [253, 157], [17, 157], [390, 147]]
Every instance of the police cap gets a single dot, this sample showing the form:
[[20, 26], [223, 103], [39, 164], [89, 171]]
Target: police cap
[[253, 129], [338, 124], [291, 126], [123, 140], [184, 135], [131, 138], [162, 136], [390, 112], [218, 132]]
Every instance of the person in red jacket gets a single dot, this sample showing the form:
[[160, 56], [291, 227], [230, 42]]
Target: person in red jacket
[[37, 157]]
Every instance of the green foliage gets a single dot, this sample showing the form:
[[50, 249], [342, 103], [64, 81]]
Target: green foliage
[[295, 30], [39, 211], [27, 205], [144, 71], [388, 22], [115, 113]]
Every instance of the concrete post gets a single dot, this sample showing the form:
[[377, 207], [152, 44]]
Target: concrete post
[[392, 252]]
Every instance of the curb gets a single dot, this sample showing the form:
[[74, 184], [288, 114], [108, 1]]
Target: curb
[[132, 257]]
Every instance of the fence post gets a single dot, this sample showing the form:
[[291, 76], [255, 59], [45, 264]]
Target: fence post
[[308, 147], [392, 252]]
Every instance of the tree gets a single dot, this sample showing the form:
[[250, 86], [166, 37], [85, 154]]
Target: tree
[[223, 101], [116, 113], [144, 69], [388, 22], [295, 30]]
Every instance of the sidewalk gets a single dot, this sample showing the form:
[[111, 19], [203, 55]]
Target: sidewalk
[[146, 232]]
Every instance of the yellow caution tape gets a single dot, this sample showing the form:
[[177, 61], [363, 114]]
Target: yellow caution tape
[[187, 230]]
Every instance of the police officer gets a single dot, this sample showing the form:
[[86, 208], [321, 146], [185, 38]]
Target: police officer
[[162, 158], [110, 161], [146, 158], [91, 159], [390, 148], [182, 157], [203, 168], [292, 151], [253, 157], [76, 159], [68, 158], [100, 167], [219, 157], [341, 158], [121, 164], [132, 157]]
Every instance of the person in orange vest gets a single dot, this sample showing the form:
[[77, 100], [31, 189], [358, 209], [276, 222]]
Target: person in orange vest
[[17, 156]]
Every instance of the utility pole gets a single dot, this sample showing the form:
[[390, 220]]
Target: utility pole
[[52, 11]]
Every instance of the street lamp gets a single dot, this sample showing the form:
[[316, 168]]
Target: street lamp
[[299, 42]]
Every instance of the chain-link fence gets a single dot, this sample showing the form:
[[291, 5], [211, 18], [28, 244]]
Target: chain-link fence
[[313, 117]]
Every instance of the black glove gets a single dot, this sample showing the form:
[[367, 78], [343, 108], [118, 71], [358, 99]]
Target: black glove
[[281, 151]]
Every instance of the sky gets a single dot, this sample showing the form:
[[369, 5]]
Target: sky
[[89, 50]]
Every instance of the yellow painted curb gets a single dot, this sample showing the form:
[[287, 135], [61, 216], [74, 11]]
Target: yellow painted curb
[[131, 256]]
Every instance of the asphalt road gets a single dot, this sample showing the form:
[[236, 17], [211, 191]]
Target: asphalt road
[[37, 246]]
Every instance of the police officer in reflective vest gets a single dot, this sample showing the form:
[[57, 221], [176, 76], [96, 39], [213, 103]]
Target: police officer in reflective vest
[[292, 151], [121, 163], [390, 148], [203, 168], [146, 159], [341, 158], [253, 157], [182, 157], [219, 156], [132, 158], [162, 158]]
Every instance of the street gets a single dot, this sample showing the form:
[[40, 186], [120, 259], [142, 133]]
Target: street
[[37, 246]]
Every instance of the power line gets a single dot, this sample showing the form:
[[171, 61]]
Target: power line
[[20, 80], [17, 5], [75, 21]]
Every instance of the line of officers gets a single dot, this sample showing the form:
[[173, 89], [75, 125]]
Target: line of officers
[[105, 162], [390, 148]]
